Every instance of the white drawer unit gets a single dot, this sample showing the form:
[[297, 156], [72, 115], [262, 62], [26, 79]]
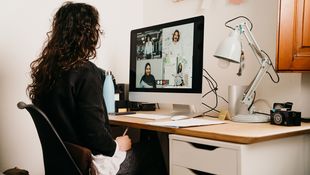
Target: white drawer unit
[[183, 170], [284, 156], [203, 155]]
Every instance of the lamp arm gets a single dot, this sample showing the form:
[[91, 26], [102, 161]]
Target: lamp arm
[[245, 30], [248, 95], [264, 62]]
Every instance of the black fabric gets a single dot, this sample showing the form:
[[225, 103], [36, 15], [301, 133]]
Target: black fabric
[[150, 154], [146, 156], [76, 107], [149, 79]]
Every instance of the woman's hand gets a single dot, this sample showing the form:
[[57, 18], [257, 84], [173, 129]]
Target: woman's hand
[[124, 143]]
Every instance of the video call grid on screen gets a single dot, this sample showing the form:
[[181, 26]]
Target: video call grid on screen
[[167, 56]]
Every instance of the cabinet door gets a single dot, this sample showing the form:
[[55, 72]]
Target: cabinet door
[[293, 52]]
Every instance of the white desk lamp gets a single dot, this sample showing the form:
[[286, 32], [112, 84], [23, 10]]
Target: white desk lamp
[[230, 49]]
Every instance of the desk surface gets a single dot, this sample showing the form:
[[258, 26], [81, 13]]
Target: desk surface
[[244, 133]]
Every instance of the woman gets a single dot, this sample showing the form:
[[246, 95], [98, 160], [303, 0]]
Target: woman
[[176, 49], [67, 87], [148, 48], [178, 79], [147, 80], [174, 55], [176, 36]]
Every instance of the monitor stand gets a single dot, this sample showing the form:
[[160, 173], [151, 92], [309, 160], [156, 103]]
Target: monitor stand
[[178, 109]]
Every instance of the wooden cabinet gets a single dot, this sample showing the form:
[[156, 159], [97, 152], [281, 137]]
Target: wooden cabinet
[[293, 40]]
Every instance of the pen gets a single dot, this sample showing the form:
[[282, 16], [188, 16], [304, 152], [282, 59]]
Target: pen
[[125, 131]]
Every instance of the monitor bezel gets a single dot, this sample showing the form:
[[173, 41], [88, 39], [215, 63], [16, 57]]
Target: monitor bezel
[[197, 56]]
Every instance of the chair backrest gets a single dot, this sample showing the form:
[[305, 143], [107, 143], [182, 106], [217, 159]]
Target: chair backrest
[[56, 156]]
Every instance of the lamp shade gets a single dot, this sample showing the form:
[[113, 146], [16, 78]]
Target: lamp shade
[[230, 48]]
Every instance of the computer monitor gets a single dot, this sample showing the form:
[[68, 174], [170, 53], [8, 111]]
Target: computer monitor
[[166, 62]]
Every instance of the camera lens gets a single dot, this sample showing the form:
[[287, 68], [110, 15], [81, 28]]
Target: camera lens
[[277, 118]]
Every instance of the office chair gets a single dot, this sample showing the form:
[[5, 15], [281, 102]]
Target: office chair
[[59, 157]]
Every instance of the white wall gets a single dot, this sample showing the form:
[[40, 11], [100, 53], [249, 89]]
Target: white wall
[[293, 87], [23, 30]]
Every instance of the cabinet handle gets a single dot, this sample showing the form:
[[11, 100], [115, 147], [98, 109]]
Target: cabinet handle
[[202, 146], [197, 172]]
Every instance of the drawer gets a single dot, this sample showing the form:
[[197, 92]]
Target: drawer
[[178, 170], [202, 157]]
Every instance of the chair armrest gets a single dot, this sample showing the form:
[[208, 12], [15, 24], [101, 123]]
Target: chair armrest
[[82, 157]]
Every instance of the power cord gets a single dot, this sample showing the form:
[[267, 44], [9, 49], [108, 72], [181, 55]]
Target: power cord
[[238, 17], [213, 89], [278, 78]]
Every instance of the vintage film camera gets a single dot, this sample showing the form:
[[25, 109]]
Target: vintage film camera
[[282, 114]]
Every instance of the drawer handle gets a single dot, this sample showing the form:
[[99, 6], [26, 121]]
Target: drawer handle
[[202, 146], [197, 172]]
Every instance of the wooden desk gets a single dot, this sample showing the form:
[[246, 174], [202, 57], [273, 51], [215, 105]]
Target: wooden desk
[[244, 133], [138, 123], [237, 148]]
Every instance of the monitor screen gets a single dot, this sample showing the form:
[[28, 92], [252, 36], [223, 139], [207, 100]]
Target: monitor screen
[[167, 57]]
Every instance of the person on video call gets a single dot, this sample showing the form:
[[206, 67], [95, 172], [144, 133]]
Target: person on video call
[[148, 48], [68, 88], [178, 79], [176, 50], [173, 54], [147, 80]]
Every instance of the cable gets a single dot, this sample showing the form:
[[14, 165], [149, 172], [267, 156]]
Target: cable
[[252, 101], [210, 115], [261, 113], [213, 89], [222, 98], [266, 102], [216, 85], [211, 108], [278, 78], [233, 19]]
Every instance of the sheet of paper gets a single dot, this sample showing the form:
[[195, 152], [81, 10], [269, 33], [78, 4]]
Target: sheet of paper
[[186, 122], [149, 116]]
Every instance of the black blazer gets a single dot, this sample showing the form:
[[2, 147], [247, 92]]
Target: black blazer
[[76, 107]]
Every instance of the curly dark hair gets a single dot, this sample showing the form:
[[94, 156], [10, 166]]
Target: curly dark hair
[[71, 42]]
